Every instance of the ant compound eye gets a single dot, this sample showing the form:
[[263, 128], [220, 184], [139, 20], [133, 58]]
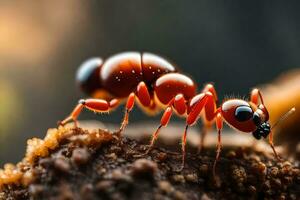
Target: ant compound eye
[[243, 113]]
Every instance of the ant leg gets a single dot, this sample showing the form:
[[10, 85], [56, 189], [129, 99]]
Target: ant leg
[[210, 88], [183, 145], [219, 124], [143, 95], [163, 122], [255, 96], [272, 146], [198, 102], [210, 110], [129, 106], [95, 105], [179, 105], [73, 116]]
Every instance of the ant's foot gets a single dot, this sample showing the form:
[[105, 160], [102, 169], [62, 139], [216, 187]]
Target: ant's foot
[[279, 159], [180, 168], [118, 132], [146, 152], [63, 123], [216, 181], [59, 123]]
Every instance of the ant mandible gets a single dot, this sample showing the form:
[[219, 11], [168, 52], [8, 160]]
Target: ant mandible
[[157, 85]]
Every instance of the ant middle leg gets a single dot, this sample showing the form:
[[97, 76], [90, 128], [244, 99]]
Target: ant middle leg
[[199, 101], [209, 114], [179, 104], [219, 125]]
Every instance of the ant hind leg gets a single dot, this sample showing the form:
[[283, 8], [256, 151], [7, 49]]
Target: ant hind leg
[[179, 104], [95, 105], [163, 122]]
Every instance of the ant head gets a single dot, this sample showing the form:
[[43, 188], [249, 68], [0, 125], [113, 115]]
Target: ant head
[[262, 124], [260, 119]]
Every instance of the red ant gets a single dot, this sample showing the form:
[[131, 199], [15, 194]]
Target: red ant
[[158, 85]]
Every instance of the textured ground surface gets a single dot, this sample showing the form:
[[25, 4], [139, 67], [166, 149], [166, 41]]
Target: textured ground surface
[[79, 168]]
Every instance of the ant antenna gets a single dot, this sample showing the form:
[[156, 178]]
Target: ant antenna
[[283, 117]]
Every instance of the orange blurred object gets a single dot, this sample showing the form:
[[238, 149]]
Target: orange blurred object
[[280, 96]]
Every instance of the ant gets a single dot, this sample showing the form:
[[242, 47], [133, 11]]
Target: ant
[[157, 85]]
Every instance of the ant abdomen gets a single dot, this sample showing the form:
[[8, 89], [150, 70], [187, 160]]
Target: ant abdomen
[[120, 74]]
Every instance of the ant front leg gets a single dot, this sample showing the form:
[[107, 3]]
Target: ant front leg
[[255, 96], [95, 105], [209, 115], [272, 146], [219, 125], [196, 106]]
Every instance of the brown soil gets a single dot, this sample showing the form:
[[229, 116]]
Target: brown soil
[[80, 166]]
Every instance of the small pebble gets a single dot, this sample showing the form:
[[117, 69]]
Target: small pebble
[[282, 197], [144, 168], [293, 196], [86, 190], [251, 190], [112, 156], [276, 183], [239, 174], [287, 180], [254, 157], [178, 178], [266, 185], [179, 195], [203, 169], [274, 171], [35, 190], [260, 168], [117, 150], [205, 197], [80, 156], [165, 187], [117, 174], [62, 165], [192, 178], [46, 162], [231, 154], [104, 186], [161, 156]]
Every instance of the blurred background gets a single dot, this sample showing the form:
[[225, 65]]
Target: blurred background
[[236, 46]]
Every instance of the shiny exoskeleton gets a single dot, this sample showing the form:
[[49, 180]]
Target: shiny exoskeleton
[[157, 85]]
